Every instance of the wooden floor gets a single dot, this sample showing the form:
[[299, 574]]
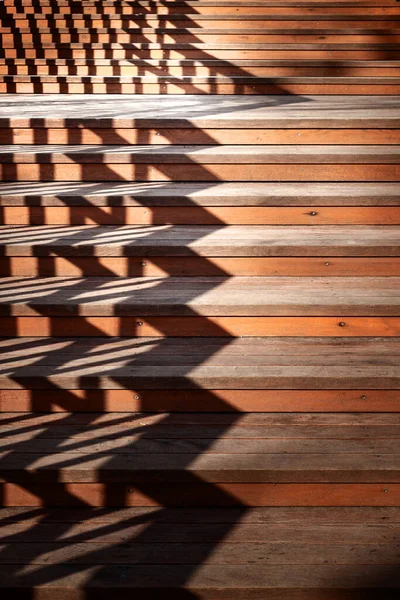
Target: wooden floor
[[200, 299]]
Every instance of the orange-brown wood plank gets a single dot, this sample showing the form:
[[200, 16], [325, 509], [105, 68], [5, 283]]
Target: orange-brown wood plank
[[341, 326], [204, 172], [197, 401], [30, 85], [198, 494], [21, 266], [203, 51], [280, 215], [162, 136]]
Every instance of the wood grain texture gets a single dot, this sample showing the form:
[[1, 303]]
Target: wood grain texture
[[201, 241], [207, 297], [200, 401], [191, 194], [374, 215], [208, 363], [57, 266]]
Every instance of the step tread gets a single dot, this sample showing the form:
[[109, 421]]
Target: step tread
[[277, 111], [203, 240], [295, 550], [198, 194], [207, 363], [208, 580], [200, 296], [222, 154], [116, 455]]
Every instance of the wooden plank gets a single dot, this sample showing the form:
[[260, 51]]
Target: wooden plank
[[208, 155], [22, 84], [212, 553], [136, 468], [87, 427], [279, 215], [199, 172], [205, 240], [198, 326], [211, 582], [357, 523], [26, 448], [199, 35], [57, 266], [212, 112], [326, 20], [223, 494], [208, 297], [193, 136], [199, 194], [198, 51], [206, 69], [209, 363], [106, 401], [96, 9]]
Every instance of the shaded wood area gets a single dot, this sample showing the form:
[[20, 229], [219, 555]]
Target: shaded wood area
[[199, 304]]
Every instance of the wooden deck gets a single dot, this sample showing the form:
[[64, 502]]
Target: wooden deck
[[199, 304]]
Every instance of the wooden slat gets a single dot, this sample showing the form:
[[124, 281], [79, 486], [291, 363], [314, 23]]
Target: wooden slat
[[213, 468], [281, 34], [198, 51], [205, 240], [199, 172], [374, 215], [57, 266], [213, 425], [210, 154], [164, 553], [208, 297], [200, 136], [209, 363], [228, 494], [199, 401], [206, 69], [200, 326], [212, 112], [22, 84], [198, 194], [98, 9]]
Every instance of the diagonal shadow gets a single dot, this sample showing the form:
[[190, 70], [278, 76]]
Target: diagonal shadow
[[148, 524]]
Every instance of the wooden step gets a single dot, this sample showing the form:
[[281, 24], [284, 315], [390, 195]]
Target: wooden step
[[199, 307], [238, 296], [120, 457], [211, 112], [114, 194], [200, 241], [208, 363], [202, 163], [221, 545]]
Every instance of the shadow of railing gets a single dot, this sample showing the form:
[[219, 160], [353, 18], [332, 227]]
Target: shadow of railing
[[45, 488]]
